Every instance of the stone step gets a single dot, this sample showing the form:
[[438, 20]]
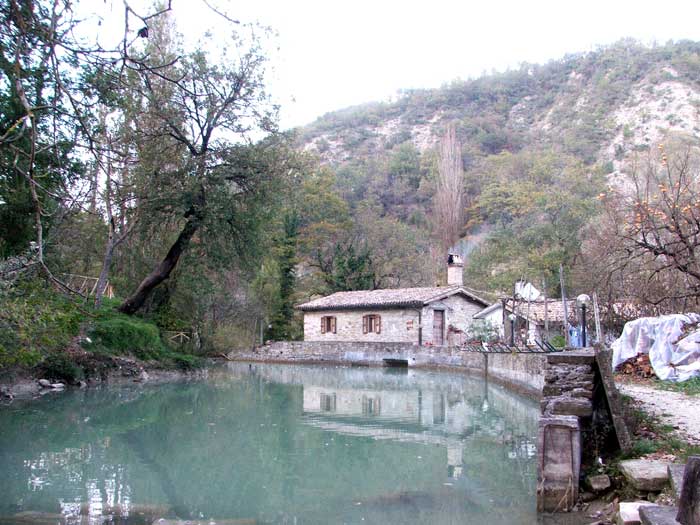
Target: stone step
[[675, 475], [658, 515]]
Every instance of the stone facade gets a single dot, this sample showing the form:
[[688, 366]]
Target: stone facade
[[400, 326], [397, 325], [459, 312]]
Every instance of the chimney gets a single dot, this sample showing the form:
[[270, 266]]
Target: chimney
[[455, 266]]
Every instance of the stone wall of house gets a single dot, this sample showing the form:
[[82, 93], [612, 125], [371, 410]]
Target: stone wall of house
[[399, 326], [459, 313]]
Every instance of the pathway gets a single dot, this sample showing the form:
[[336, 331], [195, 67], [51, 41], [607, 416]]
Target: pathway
[[673, 408]]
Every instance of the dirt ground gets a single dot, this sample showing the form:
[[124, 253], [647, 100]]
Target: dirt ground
[[679, 410]]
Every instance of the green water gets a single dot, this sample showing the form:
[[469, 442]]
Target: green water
[[275, 444]]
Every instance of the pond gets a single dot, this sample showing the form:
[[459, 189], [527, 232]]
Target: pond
[[277, 444]]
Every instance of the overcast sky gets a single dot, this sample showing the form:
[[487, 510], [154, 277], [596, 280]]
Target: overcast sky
[[333, 54]]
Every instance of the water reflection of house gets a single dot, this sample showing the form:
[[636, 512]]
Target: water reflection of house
[[419, 407]]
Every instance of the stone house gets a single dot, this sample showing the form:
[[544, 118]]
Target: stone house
[[423, 316]]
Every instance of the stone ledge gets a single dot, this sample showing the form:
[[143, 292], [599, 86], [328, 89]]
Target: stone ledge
[[572, 357]]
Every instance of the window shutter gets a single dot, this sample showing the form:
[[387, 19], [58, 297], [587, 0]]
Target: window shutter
[[323, 325], [365, 319], [333, 324], [378, 319]]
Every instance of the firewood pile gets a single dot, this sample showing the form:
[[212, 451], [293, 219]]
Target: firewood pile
[[638, 366]]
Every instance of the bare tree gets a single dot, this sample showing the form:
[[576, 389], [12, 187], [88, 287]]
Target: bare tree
[[645, 247], [448, 202]]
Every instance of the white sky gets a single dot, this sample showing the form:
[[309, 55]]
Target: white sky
[[334, 54]]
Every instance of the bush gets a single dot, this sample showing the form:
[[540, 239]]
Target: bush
[[58, 366], [36, 321], [124, 335], [557, 341], [185, 361]]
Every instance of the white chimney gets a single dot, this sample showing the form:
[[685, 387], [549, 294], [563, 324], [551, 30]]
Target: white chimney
[[455, 267]]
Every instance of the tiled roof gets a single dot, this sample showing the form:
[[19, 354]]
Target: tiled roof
[[555, 310], [399, 298]]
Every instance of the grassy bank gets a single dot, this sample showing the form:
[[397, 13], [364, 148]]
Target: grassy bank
[[45, 332], [652, 437]]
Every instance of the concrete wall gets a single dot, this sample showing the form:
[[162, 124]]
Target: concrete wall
[[522, 372], [399, 326]]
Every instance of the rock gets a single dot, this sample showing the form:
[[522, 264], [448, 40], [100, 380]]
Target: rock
[[587, 497], [6, 393], [58, 386], [675, 476], [658, 515], [689, 502], [82, 384], [629, 512], [599, 483], [645, 475], [45, 383]]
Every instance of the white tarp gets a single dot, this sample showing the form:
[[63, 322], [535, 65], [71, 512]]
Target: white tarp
[[672, 356]]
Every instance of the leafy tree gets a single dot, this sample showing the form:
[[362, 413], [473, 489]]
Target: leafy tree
[[209, 104], [286, 256]]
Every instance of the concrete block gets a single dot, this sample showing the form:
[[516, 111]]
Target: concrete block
[[645, 475], [573, 357], [629, 512], [571, 406], [559, 463]]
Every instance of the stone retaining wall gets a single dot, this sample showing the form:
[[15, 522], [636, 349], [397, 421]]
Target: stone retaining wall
[[519, 371]]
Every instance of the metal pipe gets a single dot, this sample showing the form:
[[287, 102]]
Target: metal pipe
[[583, 325]]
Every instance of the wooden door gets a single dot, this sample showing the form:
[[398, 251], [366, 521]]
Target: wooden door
[[438, 327]]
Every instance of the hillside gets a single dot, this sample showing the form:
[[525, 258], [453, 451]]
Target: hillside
[[539, 145], [597, 106]]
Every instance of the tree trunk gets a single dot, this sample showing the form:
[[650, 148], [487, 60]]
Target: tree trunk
[[133, 303], [106, 264]]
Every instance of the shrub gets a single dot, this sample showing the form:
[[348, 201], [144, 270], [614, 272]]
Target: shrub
[[58, 366], [123, 335], [557, 341]]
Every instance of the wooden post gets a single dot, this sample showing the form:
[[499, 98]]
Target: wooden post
[[563, 300], [546, 311], [689, 503], [596, 311]]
